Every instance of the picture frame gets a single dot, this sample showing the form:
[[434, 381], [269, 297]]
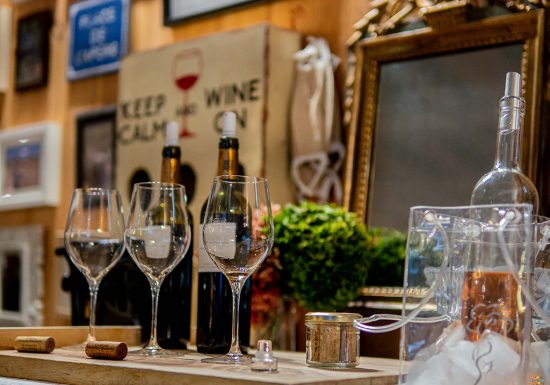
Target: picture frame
[[96, 148], [176, 11], [30, 163], [425, 113], [22, 276], [33, 51]]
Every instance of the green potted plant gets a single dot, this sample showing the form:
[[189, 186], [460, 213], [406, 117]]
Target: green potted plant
[[324, 254]]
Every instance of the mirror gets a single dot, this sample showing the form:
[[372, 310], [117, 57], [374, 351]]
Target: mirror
[[425, 112]]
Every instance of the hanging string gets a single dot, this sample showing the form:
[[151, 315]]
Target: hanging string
[[508, 218], [363, 323]]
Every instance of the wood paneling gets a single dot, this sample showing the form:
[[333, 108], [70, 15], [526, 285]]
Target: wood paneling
[[62, 101]]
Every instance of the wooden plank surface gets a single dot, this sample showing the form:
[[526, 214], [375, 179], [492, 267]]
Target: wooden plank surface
[[71, 335], [16, 381], [67, 367]]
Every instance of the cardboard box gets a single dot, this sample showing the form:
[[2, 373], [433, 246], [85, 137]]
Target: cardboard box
[[249, 71]]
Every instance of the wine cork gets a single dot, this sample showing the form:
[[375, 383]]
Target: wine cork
[[34, 344], [109, 350]]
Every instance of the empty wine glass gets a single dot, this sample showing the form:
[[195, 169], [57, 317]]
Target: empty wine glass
[[94, 238], [157, 237], [238, 235]]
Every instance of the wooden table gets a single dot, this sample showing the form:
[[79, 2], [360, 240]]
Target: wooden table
[[67, 367]]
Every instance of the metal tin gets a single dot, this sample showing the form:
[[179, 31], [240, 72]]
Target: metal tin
[[331, 340]]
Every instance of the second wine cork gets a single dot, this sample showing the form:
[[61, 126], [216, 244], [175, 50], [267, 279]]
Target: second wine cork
[[109, 350], [34, 344]]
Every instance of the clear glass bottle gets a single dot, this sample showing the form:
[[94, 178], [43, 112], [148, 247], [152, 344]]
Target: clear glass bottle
[[490, 293], [506, 183]]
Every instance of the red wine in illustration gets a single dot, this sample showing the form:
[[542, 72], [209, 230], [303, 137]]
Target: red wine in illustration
[[186, 82]]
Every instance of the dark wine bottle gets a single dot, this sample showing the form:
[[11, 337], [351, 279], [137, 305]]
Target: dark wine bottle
[[174, 311], [214, 296]]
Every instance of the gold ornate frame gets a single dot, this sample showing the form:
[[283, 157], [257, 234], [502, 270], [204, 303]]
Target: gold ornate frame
[[526, 28]]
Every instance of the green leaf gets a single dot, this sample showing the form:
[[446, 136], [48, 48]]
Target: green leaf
[[324, 252]]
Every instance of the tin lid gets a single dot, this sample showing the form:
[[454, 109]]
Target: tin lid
[[331, 317]]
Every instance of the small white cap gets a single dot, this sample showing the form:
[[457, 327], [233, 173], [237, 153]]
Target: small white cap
[[229, 124], [172, 134], [264, 360]]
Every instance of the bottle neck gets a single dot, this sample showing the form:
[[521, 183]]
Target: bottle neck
[[512, 111], [228, 156], [171, 169]]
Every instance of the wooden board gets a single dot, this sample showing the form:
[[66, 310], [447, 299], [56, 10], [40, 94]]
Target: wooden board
[[71, 335], [67, 367]]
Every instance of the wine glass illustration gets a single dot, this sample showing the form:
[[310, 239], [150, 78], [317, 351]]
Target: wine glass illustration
[[186, 71], [238, 235]]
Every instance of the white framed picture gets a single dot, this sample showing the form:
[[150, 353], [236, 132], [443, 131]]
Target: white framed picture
[[21, 276], [30, 163]]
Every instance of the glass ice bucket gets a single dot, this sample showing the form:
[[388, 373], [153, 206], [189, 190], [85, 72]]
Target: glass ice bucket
[[468, 299]]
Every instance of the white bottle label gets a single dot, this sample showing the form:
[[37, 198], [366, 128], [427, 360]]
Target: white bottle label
[[157, 241], [206, 264], [221, 242]]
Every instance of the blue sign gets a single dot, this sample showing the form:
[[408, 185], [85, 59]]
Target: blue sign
[[99, 37]]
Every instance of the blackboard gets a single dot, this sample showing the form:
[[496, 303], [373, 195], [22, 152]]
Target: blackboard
[[436, 127]]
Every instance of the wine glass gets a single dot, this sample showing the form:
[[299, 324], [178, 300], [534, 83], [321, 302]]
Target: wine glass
[[238, 235], [94, 239], [157, 237], [186, 70]]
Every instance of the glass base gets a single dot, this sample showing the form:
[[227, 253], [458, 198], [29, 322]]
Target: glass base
[[79, 347], [151, 351], [75, 348], [229, 359]]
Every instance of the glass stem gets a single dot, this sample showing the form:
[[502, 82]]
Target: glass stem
[[155, 289], [235, 350], [94, 287]]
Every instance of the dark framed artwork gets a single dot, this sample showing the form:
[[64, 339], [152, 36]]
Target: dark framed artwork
[[177, 10], [95, 151], [33, 51]]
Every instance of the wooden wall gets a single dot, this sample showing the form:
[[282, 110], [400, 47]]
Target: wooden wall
[[62, 101]]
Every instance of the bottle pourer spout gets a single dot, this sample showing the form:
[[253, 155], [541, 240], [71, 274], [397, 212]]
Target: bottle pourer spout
[[172, 134], [513, 84]]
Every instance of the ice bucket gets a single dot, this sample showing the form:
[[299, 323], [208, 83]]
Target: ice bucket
[[473, 266]]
